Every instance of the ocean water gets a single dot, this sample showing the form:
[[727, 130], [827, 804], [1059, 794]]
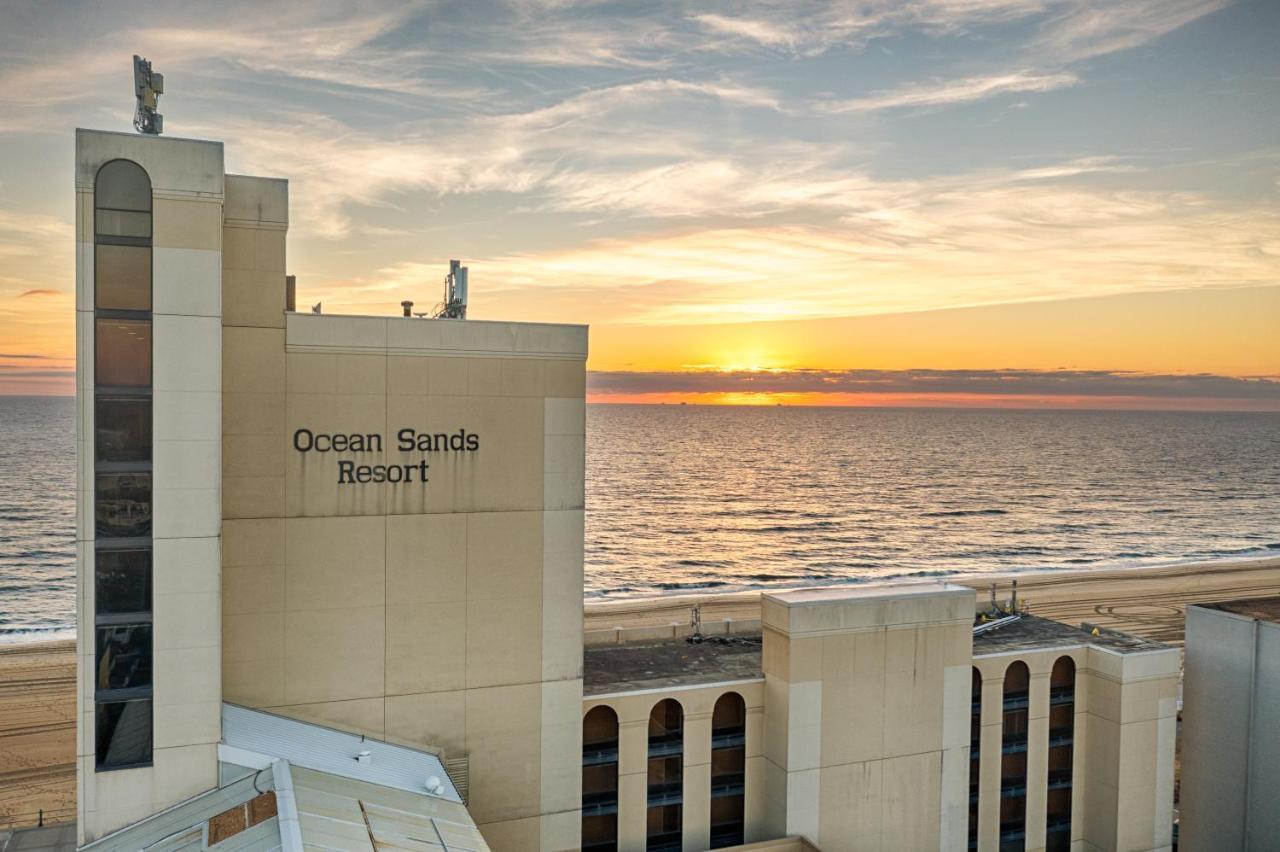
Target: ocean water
[[682, 498], [37, 517]]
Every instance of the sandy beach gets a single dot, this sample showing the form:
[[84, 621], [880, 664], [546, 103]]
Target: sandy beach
[[1146, 601], [37, 733], [37, 680]]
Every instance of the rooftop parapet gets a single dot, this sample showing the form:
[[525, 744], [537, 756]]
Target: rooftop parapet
[[858, 607]]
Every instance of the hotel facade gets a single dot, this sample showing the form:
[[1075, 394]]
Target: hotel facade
[[1231, 722], [330, 597]]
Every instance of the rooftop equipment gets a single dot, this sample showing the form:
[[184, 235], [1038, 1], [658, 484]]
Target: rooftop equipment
[[455, 293], [148, 86]]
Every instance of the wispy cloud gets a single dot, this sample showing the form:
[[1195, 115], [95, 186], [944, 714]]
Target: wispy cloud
[[650, 163], [767, 33], [898, 246], [1080, 30], [948, 92]]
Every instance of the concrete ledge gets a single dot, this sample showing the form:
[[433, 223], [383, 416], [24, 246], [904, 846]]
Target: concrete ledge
[[450, 338], [256, 201], [846, 609], [178, 168]]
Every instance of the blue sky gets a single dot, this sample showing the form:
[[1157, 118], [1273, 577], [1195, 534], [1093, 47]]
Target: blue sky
[[686, 164]]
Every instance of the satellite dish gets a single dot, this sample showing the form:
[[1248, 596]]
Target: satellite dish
[[315, 309]]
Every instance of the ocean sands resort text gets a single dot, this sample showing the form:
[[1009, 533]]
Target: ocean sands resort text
[[353, 472]]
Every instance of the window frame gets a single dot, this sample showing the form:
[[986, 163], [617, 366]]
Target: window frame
[[139, 694]]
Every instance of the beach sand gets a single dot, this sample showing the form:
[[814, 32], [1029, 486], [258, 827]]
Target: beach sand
[[37, 681], [37, 733], [1146, 601]]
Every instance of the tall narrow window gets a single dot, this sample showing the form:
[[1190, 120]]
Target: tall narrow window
[[975, 756], [600, 780], [728, 770], [122, 465], [666, 777], [1013, 761], [1062, 724]]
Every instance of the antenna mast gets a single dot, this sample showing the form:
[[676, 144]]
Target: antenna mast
[[148, 86], [455, 293]]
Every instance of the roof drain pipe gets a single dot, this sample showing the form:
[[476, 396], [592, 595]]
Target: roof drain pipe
[[286, 807], [998, 623]]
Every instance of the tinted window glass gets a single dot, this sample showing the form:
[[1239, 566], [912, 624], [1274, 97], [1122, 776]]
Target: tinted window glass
[[123, 429], [123, 581], [124, 733], [123, 505], [124, 353], [122, 185], [122, 277], [124, 656], [122, 223]]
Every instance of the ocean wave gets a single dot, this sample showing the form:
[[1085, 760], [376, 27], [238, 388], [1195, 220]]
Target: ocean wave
[[964, 513], [699, 584], [17, 634]]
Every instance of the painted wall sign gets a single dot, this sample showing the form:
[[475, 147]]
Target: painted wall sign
[[352, 472]]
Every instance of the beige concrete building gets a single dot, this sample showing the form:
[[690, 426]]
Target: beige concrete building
[[883, 717], [1231, 727], [365, 534]]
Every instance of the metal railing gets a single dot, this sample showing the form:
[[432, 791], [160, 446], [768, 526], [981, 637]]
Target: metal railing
[[669, 793]]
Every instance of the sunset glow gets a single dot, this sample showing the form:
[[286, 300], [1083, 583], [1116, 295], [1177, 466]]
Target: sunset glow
[[761, 188]]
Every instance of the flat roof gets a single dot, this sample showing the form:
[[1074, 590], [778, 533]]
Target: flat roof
[[840, 594], [670, 663], [1030, 632], [1261, 609]]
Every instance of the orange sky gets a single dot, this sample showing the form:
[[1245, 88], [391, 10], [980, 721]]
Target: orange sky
[[1063, 204], [1225, 332]]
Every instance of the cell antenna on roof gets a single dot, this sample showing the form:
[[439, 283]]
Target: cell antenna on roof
[[455, 293], [148, 86]]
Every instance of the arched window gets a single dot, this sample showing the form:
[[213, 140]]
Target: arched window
[[975, 755], [122, 244], [600, 780], [666, 776], [1013, 761], [122, 465], [1062, 724], [728, 770]]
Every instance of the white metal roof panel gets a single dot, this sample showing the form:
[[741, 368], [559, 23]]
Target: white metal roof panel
[[335, 752]]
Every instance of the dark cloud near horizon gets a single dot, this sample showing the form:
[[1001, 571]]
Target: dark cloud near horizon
[[1007, 382]]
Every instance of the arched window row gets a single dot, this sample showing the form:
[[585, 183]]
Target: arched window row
[[1015, 708], [664, 818]]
